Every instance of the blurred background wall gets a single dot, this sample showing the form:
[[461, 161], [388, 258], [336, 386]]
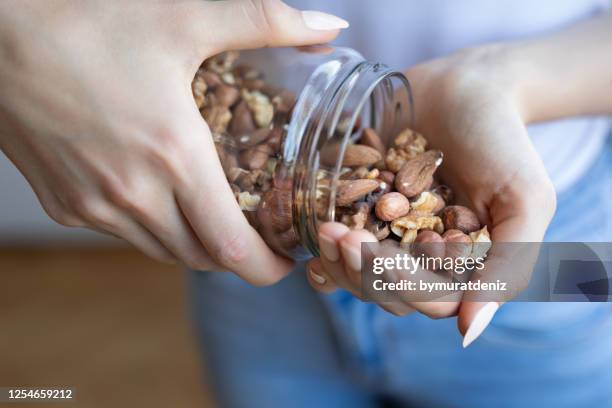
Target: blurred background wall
[[23, 221]]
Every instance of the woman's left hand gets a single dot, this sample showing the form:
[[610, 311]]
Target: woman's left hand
[[466, 106]]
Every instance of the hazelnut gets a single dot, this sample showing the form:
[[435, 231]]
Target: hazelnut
[[391, 206], [458, 244], [429, 244], [460, 218]]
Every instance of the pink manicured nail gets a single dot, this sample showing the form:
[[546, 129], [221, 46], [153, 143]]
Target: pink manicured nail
[[328, 248], [317, 278], [479, 324]]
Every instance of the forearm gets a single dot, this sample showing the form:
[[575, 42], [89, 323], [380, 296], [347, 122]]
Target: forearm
[[565, 74]]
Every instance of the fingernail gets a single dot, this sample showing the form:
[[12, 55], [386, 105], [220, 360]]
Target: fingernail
[[329, 249], [317, 278], [480, 323], [316, 20], [352, 256]]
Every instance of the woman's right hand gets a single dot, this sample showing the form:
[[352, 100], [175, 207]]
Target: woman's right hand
[[96, 112]]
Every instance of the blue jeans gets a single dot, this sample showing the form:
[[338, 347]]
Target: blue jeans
[[285, 346]]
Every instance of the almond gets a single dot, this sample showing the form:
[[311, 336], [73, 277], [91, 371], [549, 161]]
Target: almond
[[360, 155], [370, 138], [416, 175], [349, 191]]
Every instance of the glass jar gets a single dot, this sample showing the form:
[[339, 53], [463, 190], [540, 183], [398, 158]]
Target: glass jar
[[285, 160]]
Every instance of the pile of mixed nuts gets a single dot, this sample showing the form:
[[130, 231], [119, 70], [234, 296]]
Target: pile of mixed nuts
[[391, 192]]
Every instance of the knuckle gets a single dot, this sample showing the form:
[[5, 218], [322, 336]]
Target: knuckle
[[90, 209], [169, 153], [232, 251]]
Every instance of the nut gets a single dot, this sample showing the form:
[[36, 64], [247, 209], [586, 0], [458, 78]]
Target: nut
[[387, 176], [427, 202], [410, 143], [283, 101], [445, 192], [242, 122], [460, 218], [217, 117], [370, 138], [260, 105], [222, 62], [429, 244], [198, 88], [379, 228], [228, 78], [212, 80], [349, 191], [391, 206], [360, 155], [458, 244], [481, 243], [408, 225], [359, 218], [227, 95], [274, 212], [416, 175], [248, 201], [256, 157], [254, 138], [394, 161]]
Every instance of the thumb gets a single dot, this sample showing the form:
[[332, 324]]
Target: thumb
[[241, 24]]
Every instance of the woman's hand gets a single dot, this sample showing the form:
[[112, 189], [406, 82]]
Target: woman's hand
[[97, 113], [466, 105]]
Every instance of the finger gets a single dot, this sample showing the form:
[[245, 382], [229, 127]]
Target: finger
[[330, 235], [242, 24], [106, 219], [169, 226], [209, 205], [510, 260], [317, 277], [350, 248]]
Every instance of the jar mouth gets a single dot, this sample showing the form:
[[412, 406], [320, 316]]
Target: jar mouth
[[371, 95]]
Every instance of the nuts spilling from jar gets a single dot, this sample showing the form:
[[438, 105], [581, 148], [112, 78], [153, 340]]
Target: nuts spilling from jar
[[408, 204], [390, 191]]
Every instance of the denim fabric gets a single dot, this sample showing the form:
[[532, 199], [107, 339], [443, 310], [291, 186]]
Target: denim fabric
[[286, 346]]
